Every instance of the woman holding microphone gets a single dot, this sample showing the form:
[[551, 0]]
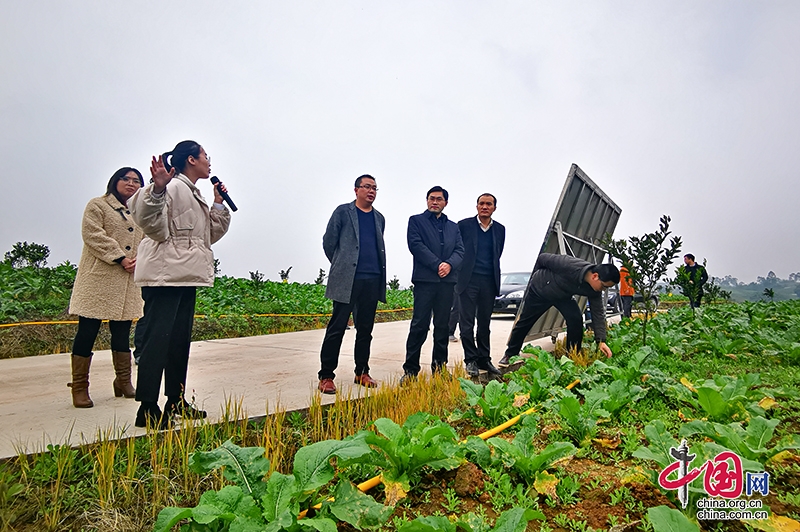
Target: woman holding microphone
[[174, 258]]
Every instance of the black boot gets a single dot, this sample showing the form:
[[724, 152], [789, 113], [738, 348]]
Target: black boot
[[149, 415], [178, 406]]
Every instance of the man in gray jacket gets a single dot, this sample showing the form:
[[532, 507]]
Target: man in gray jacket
[[555, 279], [353, 242]]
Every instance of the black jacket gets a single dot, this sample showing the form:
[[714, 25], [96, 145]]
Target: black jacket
[[429, 251], [469, 228], [697, 271], [559, 277]]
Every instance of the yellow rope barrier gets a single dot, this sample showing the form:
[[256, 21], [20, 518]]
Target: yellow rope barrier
[[203, 316]]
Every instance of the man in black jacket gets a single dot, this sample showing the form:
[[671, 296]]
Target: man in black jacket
[[698, 276], [435, 243], [479, 283], [553, 283]]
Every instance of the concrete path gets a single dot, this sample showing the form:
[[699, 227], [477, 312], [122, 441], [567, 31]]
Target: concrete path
[[36, 406]]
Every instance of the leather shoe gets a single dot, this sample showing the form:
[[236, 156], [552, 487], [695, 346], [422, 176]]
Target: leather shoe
[[406, 379], [327, 386], [488, 366], [366, 381], [505, 361], [472, 369]]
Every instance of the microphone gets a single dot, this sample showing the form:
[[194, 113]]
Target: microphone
[[224, 195]]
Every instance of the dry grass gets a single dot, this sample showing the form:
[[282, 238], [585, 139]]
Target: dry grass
[[122, 484]]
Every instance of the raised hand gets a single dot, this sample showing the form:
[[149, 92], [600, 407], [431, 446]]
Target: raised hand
[[160, 175]]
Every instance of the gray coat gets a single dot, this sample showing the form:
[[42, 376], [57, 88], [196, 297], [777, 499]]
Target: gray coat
[[340, 242]]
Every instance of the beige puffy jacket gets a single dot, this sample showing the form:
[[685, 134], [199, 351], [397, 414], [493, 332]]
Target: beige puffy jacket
[[103, 289], [179, 229]]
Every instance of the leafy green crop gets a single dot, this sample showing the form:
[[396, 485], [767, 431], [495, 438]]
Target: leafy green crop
[[726, 398], [521, 455], [513, 520], [666, 519], [749, 443], [580, 419], [613, 398], [253, 504], [659, 452], [402, 452], [495, 401]]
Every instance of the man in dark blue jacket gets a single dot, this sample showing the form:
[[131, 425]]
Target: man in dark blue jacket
[[479, 283], [555, 279], [435, 243]]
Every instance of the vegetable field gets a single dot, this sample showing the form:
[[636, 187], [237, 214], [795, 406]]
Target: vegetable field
[[232, 308], [587, 451]]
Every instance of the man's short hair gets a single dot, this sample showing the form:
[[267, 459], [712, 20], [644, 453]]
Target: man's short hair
[[607, 272], [365, 176], [437, 188], [689, 256], [488, 194]]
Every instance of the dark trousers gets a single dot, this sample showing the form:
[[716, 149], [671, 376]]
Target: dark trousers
[[532, 309], [87, 333], [454, 316], [696, 303], [476, 302], [363, 303], [627, 305], [435, 298], [166, 337], [138, 338]]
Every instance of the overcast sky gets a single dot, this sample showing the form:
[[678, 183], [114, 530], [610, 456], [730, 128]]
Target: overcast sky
[[681, 108]]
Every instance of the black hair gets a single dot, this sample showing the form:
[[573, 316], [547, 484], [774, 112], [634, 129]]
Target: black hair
[[112, 183], [487, 194], [177, 157], [437, 188], [365, 176], [689, 256], [607, 272]]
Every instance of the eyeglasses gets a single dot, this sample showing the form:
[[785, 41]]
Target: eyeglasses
[[438, 199], [132, 180], [369, 187]]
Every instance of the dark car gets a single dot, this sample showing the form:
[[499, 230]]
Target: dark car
[[512, 288]]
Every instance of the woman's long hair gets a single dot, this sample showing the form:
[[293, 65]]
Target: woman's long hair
[[112, 183]]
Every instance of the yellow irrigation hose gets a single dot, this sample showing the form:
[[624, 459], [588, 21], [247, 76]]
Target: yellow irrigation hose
[[203, 316], [374, 481]]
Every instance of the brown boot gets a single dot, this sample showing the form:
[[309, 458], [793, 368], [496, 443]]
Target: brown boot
[[122, 367], [80, 382]]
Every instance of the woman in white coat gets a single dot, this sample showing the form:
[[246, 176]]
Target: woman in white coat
[[175, 258], [104, 288]]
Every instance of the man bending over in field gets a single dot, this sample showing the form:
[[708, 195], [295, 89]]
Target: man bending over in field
[[555, 279]]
